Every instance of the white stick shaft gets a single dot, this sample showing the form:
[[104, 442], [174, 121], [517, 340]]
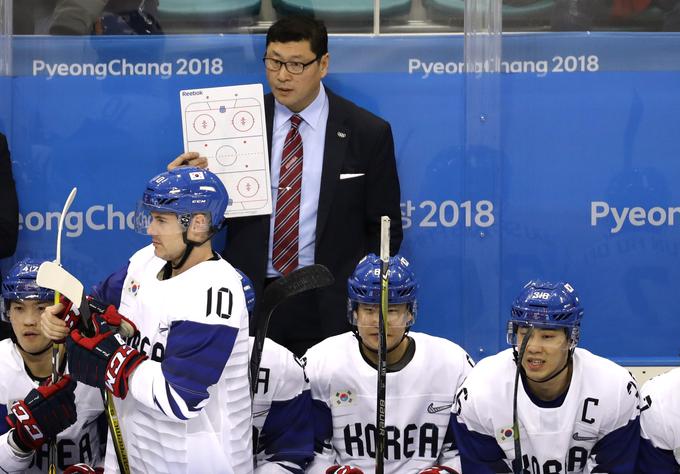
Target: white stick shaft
[[384, 238], [62, 217]]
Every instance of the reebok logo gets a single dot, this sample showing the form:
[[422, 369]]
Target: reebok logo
[[578, 437], [433, 409]]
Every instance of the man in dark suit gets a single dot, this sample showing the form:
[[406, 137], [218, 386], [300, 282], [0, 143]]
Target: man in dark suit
[[9, 214], [348, 180]]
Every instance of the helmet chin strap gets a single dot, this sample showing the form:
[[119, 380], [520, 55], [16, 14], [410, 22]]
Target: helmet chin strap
[[37, 353], [187, 251], [190, 244]]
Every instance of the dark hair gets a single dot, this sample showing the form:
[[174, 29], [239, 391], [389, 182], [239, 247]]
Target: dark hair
[[300, 28]]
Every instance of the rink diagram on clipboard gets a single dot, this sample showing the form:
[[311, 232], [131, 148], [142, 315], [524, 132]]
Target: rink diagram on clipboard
[[226, 125]]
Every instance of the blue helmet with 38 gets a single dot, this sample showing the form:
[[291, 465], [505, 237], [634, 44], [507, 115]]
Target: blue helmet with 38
[[546, 305], [363, 286], [184, 191], [248, 291], [20, 284]]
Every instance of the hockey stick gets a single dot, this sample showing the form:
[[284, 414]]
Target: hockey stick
[[52, 276], [55, 277], [381, 434], [296, 282], [57, 348], [517, 463]]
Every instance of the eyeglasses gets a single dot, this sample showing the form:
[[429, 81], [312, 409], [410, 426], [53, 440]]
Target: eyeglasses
[[293, 67]]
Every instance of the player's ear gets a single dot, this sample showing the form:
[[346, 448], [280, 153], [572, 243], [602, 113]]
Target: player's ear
[[199, 223]]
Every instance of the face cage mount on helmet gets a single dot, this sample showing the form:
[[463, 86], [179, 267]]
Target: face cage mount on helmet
[[573, 333], [352, 306], [143, 219]]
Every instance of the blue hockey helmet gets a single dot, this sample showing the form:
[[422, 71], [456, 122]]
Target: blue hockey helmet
[[248, 291], [363, 286], [184, 191], [20, 284], [546, 305]]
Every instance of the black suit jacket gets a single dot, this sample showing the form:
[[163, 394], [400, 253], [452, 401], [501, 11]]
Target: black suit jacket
[[9, 214], [349, 211]]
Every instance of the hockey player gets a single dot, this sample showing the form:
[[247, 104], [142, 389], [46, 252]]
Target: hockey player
[[38, 411], [423, 375], [181, 386], [576, 412], [283, 432], [660, 443]]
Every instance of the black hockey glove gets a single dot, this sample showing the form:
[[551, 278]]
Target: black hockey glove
[[103, 360], [45, 412]]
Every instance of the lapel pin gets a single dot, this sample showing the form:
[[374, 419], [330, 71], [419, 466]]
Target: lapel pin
[[342, 134]]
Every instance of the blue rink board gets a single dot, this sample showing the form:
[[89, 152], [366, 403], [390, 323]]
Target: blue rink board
[[598, 128]]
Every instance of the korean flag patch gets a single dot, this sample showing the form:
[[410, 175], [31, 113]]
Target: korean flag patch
[[196, 175]]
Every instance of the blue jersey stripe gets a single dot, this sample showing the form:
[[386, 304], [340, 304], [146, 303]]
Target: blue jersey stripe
[[4, 426], [323, 425], [653, 460], [173, 404], [288, 431], [616, 452], [160, 407], [195, 356], [479, 453]]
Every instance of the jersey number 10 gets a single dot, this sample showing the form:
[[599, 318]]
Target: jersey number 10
[[224, 301]]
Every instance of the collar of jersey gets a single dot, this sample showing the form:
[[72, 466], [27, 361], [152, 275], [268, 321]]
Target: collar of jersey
[[403, 362], [556, 403]]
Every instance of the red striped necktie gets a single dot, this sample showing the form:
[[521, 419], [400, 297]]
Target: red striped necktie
[[287, 220]]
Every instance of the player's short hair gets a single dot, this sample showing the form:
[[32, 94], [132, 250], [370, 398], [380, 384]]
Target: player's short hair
[[300, 28]]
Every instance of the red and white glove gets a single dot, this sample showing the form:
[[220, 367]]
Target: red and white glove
[[45, 412], [82, 468], [438, 470], [102, 360], [71, 316], [113, 318], [343, 470]]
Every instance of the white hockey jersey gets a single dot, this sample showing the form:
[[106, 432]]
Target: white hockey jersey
[[189, 407], [283, 431], [81, 442], [660, 425], [418, 405], [595, 428]]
